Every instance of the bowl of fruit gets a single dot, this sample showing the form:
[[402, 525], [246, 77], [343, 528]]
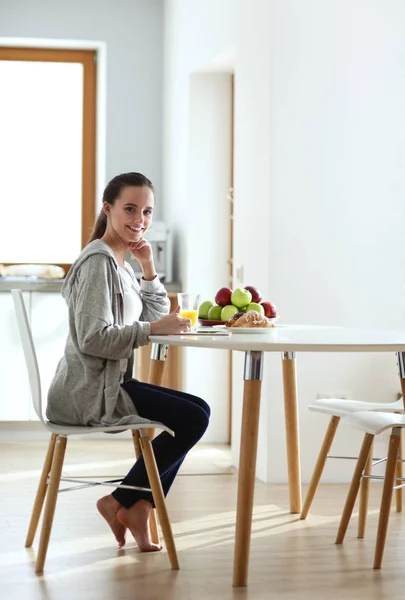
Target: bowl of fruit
[[229, 302]]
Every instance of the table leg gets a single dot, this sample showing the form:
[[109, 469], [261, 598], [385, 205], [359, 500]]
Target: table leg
[[156, 369], [292, 431], [247, 464]]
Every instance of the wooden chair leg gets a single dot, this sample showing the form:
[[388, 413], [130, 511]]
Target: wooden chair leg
[[41, 493], [154, 533], [137, 445], [354, 487], [399, 471], [386, 498], [52, 495], [156, 370], [364, 493], [320, 465], [159, 499]]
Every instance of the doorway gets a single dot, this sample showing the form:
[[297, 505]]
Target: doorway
[[208, 263]]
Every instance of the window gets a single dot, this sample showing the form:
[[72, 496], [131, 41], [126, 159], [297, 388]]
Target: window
[[47, 154]]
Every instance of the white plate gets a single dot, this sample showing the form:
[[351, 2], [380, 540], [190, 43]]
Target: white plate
[[247, 329], [235, 330]]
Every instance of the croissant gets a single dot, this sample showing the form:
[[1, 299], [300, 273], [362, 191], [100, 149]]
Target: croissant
[[249, 319], [233, 319]]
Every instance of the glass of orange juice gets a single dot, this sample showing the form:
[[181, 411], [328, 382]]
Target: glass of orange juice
[[189, 304]]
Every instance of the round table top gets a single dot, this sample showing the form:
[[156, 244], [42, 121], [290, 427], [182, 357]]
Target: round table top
[[296, 338]]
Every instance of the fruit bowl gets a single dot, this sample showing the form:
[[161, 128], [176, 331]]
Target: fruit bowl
[[208, 323]]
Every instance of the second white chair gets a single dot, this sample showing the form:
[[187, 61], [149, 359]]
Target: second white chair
[[372, 424], [339, 408]]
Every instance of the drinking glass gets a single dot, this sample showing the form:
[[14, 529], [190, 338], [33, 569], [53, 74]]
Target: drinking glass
[[189, 304]]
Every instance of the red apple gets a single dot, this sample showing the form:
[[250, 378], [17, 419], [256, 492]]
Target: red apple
[[269, 309], [256, 295], [223, 297]]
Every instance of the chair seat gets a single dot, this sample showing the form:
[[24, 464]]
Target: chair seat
[[67, 430], [374, 422], [340, 407]]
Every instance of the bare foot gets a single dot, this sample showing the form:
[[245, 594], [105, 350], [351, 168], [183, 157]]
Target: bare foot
[[108, 507], [136, 519]]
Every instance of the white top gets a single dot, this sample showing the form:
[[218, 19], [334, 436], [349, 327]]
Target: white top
[[132, 298], [132, 303], [298, 338]]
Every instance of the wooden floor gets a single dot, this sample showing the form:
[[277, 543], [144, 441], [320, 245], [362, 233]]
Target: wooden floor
[[289, 559]]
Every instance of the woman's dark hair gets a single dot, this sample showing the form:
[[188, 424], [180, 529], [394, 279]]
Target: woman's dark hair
[[111, 193]]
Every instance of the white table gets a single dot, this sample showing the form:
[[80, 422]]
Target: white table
[[288, 340]]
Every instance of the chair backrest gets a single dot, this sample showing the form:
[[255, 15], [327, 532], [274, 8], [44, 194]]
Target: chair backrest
[[29, 351]]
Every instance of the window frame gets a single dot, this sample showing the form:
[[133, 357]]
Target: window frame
[[88, 58]]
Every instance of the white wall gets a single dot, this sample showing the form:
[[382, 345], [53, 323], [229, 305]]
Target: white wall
[[319, 182], [207, 210], [133, 32], [336, 254], [187, 50]]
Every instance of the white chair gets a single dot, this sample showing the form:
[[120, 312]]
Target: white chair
[[339, 408], [52, 470], [374, 423]]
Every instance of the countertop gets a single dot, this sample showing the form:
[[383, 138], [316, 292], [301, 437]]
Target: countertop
[[53, 285]]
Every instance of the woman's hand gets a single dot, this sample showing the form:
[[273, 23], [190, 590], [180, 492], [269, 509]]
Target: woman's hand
[[142, 252], [170, 325]]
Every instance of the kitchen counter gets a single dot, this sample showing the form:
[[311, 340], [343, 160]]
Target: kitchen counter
[[30, 285], [52, 285]]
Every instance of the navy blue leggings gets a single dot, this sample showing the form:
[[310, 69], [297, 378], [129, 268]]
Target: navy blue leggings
[[186, 415]]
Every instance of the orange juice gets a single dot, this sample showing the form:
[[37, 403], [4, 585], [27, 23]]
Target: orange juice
[[190, 314]]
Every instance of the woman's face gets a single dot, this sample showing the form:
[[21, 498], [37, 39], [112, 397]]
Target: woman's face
[[131, 213]]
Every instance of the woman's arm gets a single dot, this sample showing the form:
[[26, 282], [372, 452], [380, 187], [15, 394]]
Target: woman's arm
[[155, 302], [154, 297], [96, 332]]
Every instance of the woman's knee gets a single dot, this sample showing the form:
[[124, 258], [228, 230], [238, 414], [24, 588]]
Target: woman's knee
[[206, 408], [204, 418], [198, 417]]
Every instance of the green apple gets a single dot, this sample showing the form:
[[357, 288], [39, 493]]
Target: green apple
[[214, 313], [204, 309], [241, 297], [255, 306], [228, 312]]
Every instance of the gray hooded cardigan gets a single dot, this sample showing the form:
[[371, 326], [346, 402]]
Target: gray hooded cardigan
[[86, 388]]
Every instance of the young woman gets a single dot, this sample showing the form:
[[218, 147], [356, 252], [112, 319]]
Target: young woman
[[110, 314]]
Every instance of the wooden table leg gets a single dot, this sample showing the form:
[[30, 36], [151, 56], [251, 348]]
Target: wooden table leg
[[156, 369], [292, 431], [247, 464]]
